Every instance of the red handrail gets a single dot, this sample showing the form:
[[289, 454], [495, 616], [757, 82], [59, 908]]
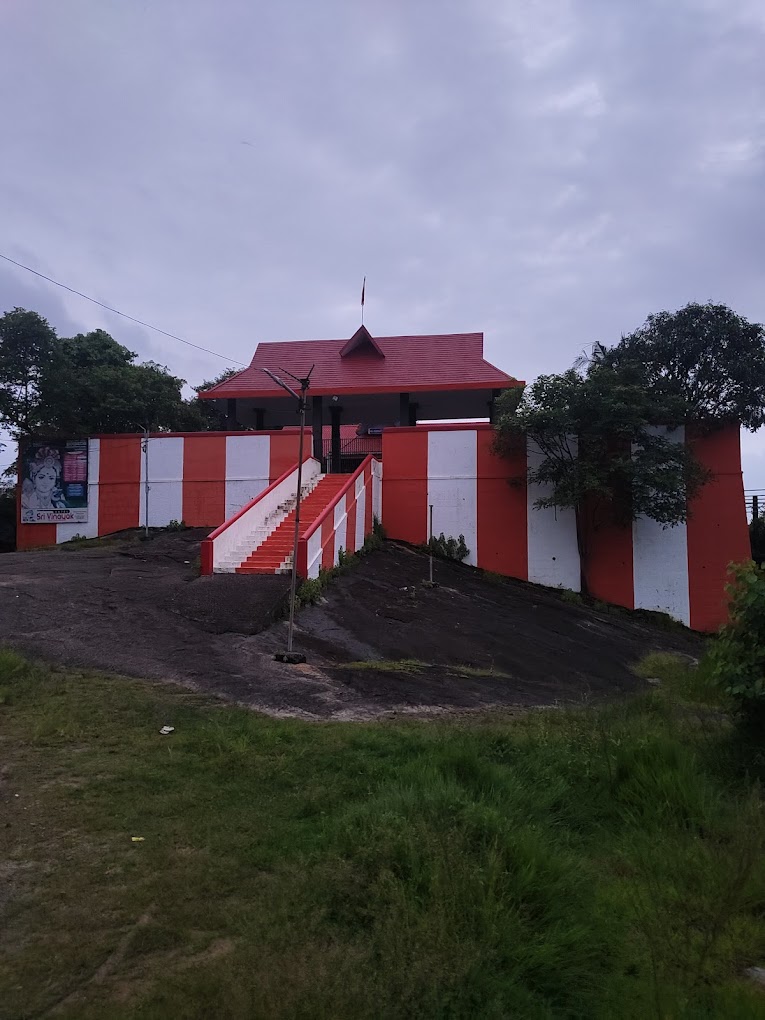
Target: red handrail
[[340, 492]]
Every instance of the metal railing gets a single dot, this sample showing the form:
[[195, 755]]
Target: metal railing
[[352, 453], [755, 503]]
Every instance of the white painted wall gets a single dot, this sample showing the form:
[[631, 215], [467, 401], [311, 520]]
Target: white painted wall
[[248, 465], [660, 561], [314, 554], [341, 524], [361, 507], [452, 485], [165, 482], [551, 535], [377, 489], [89, 528]]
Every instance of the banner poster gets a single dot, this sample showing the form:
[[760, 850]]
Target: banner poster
[[54, 481]]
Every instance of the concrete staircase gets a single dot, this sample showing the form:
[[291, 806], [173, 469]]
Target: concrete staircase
[[261, 532], [273, 553]]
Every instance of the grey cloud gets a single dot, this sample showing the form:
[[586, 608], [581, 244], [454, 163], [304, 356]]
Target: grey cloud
[[547, 171]]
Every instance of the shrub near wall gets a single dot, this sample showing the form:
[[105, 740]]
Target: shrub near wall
[[738, 656]]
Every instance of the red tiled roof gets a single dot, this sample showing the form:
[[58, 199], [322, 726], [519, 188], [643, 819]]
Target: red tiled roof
[[408, 363]]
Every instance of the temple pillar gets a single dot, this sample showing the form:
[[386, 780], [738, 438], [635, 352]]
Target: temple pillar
[[335, 415], [317, 428]]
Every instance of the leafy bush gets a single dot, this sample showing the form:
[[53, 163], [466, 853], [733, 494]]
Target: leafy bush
[[449, 548], [309, 592], [176, 526], [738, 657]]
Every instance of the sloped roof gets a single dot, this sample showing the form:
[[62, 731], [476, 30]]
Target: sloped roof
[[389, 364]]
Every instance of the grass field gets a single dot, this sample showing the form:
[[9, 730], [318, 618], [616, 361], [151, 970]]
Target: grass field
[[603, 862]]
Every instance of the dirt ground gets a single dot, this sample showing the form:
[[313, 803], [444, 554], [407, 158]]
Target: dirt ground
[[380, 643]]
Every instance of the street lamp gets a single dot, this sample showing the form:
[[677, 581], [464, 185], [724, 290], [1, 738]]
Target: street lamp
[[289, 655]]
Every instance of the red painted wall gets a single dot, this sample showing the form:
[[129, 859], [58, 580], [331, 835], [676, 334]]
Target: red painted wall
[[717, 527], [284, 452], [405, 484], [119, 489], [204, 480], [501, 509]]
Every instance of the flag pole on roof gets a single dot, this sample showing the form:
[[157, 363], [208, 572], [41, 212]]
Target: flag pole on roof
[[363, 289]]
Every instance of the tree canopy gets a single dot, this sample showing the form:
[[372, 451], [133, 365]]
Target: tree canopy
[[705, 356], [85, 384], [604, 431], [26, 343], [598, 449]]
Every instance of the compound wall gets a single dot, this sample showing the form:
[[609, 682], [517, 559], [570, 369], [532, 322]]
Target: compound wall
[[680, 571], [199, 478]]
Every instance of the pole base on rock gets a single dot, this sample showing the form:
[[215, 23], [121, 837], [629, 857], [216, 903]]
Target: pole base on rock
[[292, 657]]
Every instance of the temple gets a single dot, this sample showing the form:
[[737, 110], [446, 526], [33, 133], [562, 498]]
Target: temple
[[365, 381]]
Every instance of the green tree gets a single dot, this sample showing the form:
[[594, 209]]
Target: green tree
[[705, 355], [92, 384], [26, 342], [208, 416], [601, 449], [85, 384]]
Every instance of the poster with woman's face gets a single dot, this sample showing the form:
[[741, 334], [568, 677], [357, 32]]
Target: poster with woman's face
[[54, 481]]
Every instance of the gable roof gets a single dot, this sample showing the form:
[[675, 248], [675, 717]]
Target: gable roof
[[361, 339], [386, 364]]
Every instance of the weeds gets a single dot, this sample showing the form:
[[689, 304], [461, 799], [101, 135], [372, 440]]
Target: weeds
[[595, 862], [310, 591], [448, 548]]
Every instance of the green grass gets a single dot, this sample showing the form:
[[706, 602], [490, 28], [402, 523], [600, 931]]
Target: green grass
[[595, 863]]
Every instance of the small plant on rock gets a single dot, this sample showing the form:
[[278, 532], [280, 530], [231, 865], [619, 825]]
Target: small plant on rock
[[449, 548]]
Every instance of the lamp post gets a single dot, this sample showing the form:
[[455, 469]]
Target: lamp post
[[289, 655]]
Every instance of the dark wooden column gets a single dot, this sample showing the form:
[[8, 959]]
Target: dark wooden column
[[403, 409], [335, 415], [413, 408], [231, 414], [260, 419], [317, 427]]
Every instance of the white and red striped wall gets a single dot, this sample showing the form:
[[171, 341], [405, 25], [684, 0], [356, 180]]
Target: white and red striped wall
[[346, 523], [680, 571], [199, 478], [205, 478]]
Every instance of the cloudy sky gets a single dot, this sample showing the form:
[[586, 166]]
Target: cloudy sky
[[547, 171]]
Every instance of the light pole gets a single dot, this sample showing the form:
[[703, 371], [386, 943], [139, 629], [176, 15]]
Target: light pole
[[289, 655]]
